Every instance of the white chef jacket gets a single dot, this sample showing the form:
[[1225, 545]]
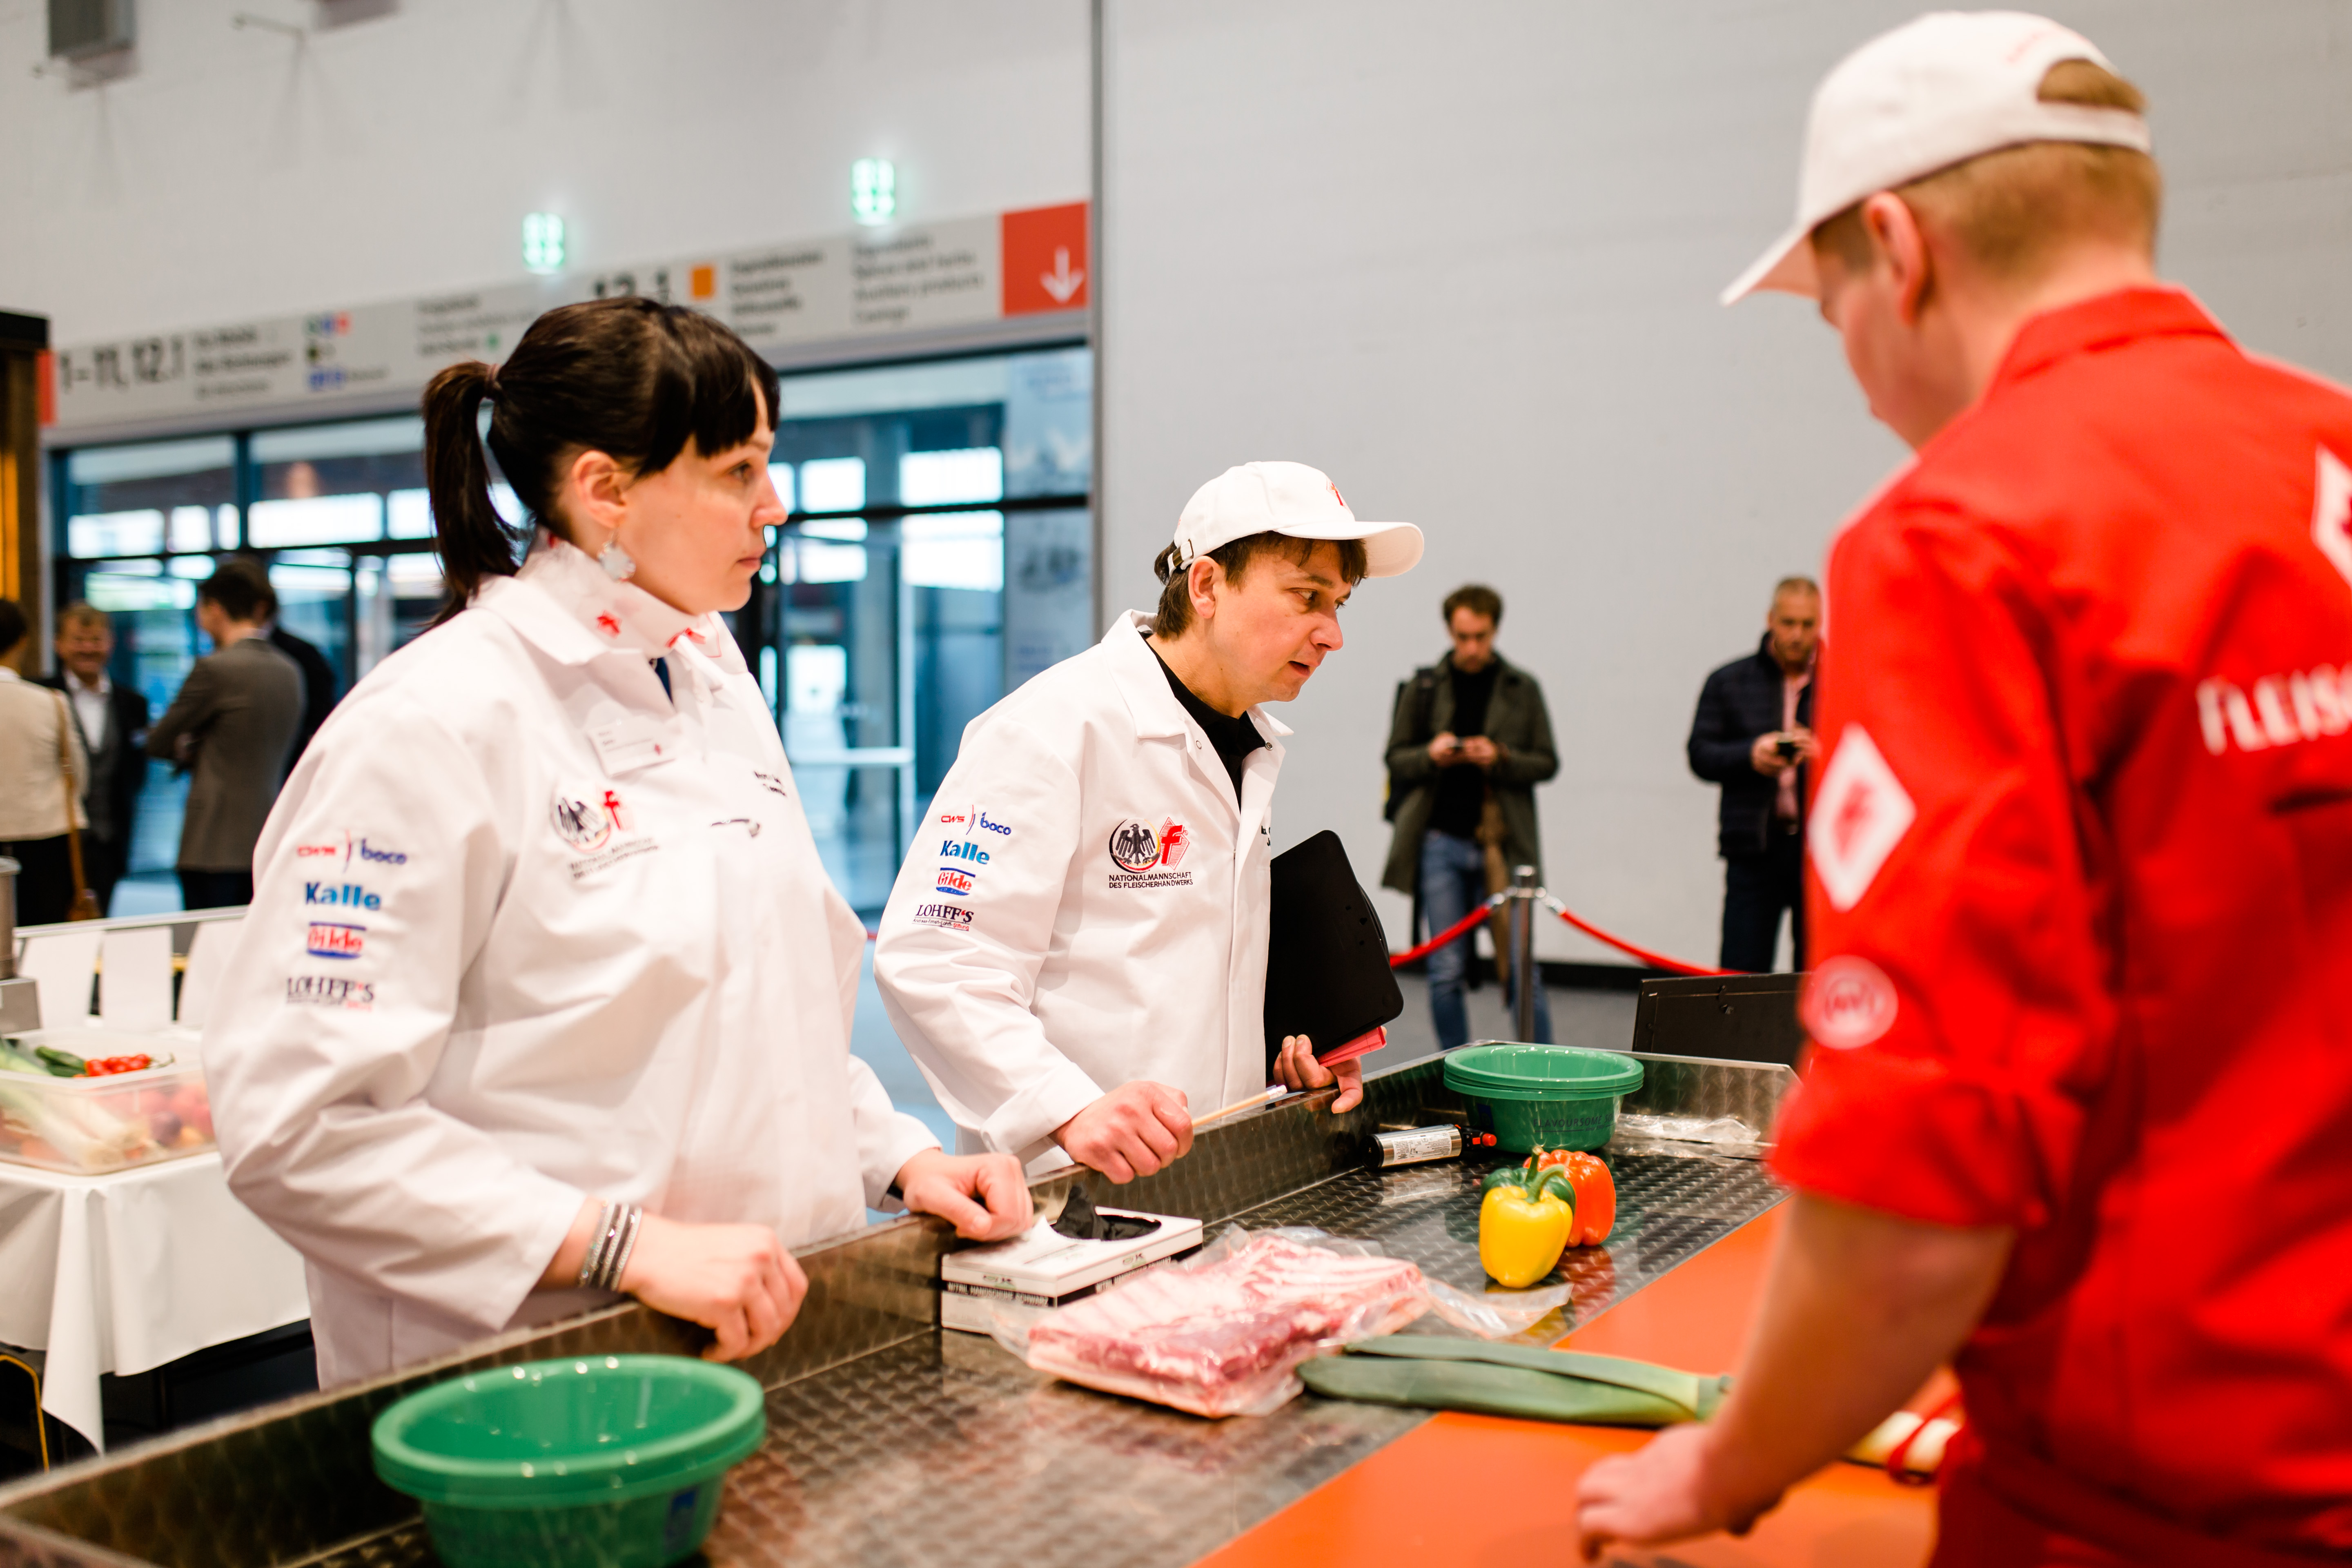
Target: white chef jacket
[[1085, 906], [525, 931]]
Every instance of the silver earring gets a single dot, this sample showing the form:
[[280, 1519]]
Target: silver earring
[[617, 562]]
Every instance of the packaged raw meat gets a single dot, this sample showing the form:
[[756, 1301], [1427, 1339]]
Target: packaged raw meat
[[1222, 1333]]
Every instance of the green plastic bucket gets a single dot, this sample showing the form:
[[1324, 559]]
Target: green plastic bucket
[[1555, 1097], [593, 1462]]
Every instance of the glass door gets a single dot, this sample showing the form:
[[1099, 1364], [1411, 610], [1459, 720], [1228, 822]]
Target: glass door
[[939, 550]]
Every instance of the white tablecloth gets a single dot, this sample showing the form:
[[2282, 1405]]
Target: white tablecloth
[[126, 1272]]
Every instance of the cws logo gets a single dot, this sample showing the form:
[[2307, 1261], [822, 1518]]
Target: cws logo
[[344, 850], [947, 917], [954, 883], [336, 941], [1148, 857], [974, 819]]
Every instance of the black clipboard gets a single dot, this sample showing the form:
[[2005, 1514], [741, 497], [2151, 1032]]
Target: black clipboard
[[1327, 955]]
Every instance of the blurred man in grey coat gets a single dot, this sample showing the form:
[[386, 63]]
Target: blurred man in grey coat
[[233, 725]]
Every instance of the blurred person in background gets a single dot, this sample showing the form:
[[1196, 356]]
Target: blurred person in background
[[320, 689], [41, 764], [1468, 743], [1753, 735], [112, 722], [232, 725]]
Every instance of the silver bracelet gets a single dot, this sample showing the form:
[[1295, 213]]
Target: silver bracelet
[[599, 1245], [634, 1221]]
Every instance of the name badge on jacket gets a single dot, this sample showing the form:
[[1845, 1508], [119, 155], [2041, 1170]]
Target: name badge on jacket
[[632, 743]]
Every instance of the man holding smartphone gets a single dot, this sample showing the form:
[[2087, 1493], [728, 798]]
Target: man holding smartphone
[[1469, 740], [1753, 735]]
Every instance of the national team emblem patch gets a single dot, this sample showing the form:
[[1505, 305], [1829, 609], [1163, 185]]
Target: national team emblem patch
[[1134, 847], [2331, 512], [1858, 818], [1847, 1001]]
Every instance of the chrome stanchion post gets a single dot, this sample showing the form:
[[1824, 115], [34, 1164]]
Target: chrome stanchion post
[[20, 999], [1523, 953]]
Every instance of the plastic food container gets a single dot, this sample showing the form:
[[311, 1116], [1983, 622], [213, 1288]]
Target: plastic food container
[[1554, 1096], [602, 1462], [90, 1126]]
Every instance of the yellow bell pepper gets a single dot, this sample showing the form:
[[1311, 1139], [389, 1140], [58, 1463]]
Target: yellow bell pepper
[[1524, 1224]]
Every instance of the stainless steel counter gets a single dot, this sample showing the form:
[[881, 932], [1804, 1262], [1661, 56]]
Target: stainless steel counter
[[890, 1441]]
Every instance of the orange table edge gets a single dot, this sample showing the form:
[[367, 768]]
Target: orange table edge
[[1480, 1491]]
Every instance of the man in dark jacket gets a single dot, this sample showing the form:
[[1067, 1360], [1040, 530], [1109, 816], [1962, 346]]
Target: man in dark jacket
[[1753, 735], [232, 723], [1469, 742], [320, 689], [113, 719]]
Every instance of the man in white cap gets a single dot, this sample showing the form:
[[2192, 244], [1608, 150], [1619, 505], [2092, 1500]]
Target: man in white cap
[[1075, 951], [2081, 869]]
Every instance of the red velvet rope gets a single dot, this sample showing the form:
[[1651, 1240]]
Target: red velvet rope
[[1459, 928], [1655, 960]]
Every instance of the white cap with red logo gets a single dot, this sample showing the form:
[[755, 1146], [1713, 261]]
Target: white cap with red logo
[[1949, 87], [1292, 499]]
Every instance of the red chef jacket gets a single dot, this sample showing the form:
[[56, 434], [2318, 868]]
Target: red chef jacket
[[2080, 888]]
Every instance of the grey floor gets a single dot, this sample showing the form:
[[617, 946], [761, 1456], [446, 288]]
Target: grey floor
[[1600, 1019]]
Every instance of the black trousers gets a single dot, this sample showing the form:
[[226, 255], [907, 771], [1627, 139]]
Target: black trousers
[[103, 861], [1756, 889], [45, 888], [214, 890]]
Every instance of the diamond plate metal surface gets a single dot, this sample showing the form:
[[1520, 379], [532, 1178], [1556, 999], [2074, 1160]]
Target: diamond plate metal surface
[[890, 1442]]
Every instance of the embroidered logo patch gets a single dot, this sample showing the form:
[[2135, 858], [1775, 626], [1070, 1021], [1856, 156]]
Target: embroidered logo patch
[[1134, 847], [1860, 816], [2331, 512], [1848, 1001]]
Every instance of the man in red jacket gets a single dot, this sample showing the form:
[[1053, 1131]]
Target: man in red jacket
[[2081, 864]]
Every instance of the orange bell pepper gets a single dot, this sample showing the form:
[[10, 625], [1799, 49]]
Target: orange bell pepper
[[1595, 1190], [1596, 1199]]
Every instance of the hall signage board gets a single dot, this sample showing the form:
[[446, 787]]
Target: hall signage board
[[873, 283]]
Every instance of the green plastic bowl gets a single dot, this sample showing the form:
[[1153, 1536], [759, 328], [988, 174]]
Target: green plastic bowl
[[609, 1461], [1552, 1097]]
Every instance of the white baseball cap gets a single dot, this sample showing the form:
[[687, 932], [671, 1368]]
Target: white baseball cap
[[1951, 86], [1292, 499]]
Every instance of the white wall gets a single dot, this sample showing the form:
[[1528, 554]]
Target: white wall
[[1465, 258], [234, 172]]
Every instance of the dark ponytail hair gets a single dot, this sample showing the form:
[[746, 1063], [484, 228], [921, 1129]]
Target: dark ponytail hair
[[629, 377]]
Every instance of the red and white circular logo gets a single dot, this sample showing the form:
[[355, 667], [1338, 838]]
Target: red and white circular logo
[[1848, 1001]]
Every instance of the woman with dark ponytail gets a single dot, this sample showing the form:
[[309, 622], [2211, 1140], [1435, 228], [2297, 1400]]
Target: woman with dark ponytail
[[544, 993]]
